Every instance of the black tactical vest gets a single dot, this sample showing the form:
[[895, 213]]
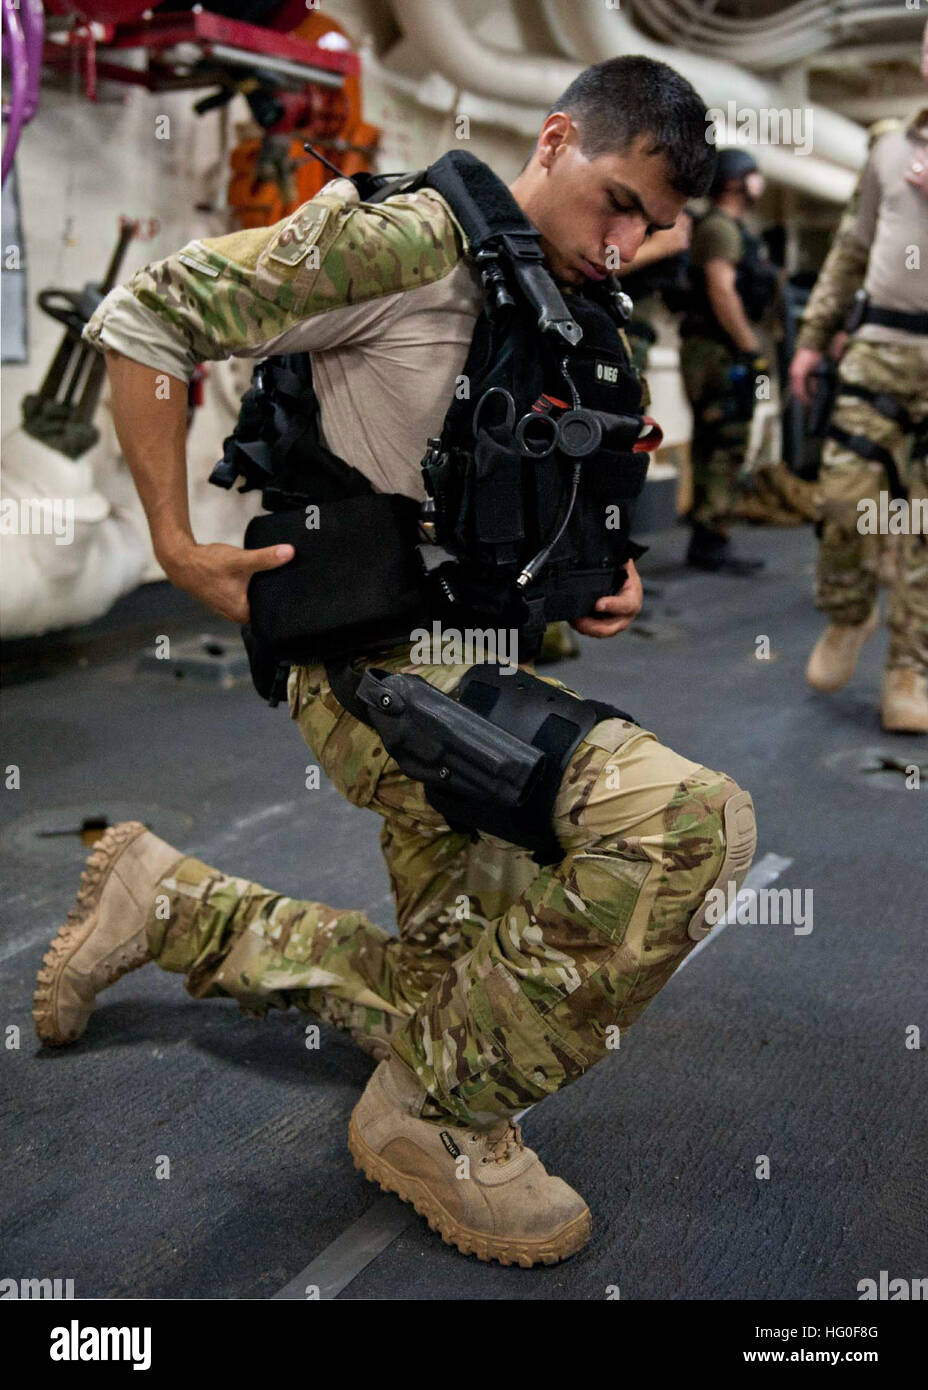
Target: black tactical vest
[[531, 482]]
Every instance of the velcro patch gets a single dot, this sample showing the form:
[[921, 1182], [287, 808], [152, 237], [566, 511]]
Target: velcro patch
[[197, 265], [296, 240]]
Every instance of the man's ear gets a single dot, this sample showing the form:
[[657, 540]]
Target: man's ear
[[553, 137]]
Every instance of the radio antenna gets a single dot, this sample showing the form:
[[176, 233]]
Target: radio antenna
[[311, 149]]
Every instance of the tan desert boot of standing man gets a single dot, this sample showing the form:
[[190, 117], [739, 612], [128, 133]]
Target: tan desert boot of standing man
[[904, 701], [835, 654]]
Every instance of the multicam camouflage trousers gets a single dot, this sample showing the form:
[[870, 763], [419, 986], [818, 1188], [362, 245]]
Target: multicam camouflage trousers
[[849, 558], [719, 446], [507, 980]]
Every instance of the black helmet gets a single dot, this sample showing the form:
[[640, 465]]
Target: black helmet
[[732, 164]]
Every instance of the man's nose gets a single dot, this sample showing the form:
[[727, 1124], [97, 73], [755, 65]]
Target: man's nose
[[627, 243]]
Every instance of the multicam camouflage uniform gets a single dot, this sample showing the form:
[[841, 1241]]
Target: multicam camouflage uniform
[[889, 363], [507, 980]]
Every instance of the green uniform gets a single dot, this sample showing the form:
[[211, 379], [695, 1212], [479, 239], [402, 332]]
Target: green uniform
[[707, 356], [887, 218], [507, 981]]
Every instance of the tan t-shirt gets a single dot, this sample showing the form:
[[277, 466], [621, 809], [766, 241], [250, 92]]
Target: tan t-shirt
[[892, 219], [384, 364]]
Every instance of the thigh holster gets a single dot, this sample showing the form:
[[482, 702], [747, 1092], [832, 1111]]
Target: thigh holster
[[491, 757]]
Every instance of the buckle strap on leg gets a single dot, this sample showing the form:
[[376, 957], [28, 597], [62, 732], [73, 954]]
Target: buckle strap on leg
[[543, 716], [876, 453]]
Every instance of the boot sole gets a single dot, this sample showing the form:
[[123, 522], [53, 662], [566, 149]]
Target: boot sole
[[904, 726], [81, 921], [546, 1250]]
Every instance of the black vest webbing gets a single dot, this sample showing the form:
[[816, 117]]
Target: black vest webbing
[[531, 482]]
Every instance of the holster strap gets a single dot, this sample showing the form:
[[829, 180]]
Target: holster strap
[[876, 453], [517, 711]]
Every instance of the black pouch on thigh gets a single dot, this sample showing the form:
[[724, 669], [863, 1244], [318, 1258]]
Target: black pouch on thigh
[[542, 717], [490, 760]]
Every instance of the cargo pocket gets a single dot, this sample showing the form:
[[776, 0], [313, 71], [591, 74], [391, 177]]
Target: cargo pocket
[[520, 1057], [350, 754]]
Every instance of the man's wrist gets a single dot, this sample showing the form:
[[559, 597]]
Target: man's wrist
[[815, 338], [174, 552]]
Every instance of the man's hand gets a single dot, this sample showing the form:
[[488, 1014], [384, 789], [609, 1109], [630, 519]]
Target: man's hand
[[218, 574], [804, 362], [622, 608]]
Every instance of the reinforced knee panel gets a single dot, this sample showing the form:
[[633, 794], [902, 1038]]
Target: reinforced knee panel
[[740, 829]]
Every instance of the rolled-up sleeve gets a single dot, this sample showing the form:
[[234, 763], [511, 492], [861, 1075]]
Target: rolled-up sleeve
[[122, 322], [245, 294]]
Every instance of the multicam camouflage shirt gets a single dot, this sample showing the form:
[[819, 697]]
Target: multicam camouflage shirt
[[385, 297]]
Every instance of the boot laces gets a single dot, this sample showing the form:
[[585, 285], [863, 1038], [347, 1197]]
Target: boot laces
[[501, 1143]]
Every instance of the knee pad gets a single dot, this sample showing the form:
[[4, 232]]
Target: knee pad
[[740, 831]]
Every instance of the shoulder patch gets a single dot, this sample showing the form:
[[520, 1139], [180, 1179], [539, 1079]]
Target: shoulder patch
[[367, 251], [300, 234]]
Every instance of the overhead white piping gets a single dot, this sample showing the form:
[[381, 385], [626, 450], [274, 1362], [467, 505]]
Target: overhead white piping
[[444, 41], [764, 50], [789, 36], [591, 33]]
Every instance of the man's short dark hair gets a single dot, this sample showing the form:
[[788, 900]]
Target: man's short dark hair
[[615, 102]]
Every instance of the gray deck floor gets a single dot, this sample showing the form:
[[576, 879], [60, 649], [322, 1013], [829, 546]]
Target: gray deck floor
[[769, 1042]]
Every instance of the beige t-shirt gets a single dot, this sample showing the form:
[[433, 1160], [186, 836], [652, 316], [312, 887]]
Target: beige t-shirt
[[384, 364], [892, 219]]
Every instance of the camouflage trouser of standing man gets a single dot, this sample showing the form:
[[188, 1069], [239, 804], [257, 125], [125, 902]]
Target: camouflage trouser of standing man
[[719, 446], [507, 981], [848, 568]]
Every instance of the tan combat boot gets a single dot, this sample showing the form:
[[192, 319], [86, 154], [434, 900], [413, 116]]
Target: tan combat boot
[[500, 1204], [834, 656], [904, 702], [104, 937]]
